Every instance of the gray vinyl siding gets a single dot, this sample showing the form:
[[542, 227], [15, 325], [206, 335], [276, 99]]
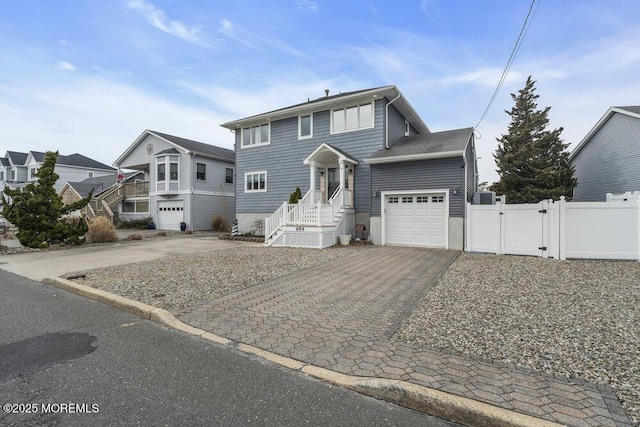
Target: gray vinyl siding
[[471, 170], [206, 206], [215, 175], [283, 158], [396, 125], [437, 174], [610, 161]]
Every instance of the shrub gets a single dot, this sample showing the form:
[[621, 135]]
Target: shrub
[[219, 223], [136, 224], [101, 231], [295, 196], [134, 237]]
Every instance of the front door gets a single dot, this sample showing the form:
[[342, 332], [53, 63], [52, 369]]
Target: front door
[[333, 181]]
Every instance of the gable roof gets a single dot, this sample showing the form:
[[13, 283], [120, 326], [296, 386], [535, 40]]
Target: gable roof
[[435, 145], [98, 184], [631, 111], [76, 159], [17, 158], [342, 99], [190, 146], [4, 161]]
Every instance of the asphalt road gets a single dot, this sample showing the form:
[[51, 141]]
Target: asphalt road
[[70, 361]]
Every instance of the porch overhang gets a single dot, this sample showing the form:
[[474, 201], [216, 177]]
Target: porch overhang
[[326, 154]]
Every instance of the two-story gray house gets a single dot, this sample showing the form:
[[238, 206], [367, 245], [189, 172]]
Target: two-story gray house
[[607, 160], [362, 157], [18, 169], [186, 181]]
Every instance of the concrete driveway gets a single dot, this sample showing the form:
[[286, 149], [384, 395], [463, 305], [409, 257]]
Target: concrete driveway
[[54, 263]]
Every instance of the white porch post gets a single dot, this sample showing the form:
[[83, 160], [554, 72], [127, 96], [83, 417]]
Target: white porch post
[[312, 178], [342, 170]]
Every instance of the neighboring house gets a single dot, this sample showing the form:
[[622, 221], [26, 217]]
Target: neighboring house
[[607, 160], [362, 157], [18, 169], [187, 180], [101, 187]]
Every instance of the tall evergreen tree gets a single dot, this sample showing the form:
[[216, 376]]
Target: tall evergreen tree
[[38, 210], [532, 161]]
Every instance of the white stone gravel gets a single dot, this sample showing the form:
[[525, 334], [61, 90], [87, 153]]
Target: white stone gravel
[[577, 319], [176, 283]]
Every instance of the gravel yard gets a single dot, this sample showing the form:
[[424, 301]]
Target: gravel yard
[[577, 319], [176, 283]]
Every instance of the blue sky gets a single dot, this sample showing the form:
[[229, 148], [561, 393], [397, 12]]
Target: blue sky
[[89, 76]]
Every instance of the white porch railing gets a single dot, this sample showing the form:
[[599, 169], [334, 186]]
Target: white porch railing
[[307, 212]]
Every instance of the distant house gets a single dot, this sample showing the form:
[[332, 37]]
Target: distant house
[[362, 157], [18, 169], [607, 160], [185, 181], [99, 187]]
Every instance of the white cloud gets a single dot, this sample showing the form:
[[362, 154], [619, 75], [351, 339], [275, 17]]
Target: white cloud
[[156, 17], [307, 5], [99, 118], [232, 31], [62, 65]]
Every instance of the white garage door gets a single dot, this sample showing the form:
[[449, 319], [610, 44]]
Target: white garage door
[[170, 214], [416, 219]]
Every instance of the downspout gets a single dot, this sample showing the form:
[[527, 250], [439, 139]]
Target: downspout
[[386, 118]]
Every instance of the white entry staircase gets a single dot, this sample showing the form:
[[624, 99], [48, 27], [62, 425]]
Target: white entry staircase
[[310, 223]]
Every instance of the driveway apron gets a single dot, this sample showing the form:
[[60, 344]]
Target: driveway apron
[[342, 315]]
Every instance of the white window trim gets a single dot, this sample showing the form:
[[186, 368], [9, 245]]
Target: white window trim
[[373, 118], [135, 205], [300, 126], [166, 160], [258, 190], [90, 174], [251, 133], [205, 172]]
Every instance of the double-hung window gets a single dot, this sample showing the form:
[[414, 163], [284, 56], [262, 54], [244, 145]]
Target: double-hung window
[[305, 126], [201, 172], [33, 173], [256, 135], [228, 176], [255, 182], [352, 118]]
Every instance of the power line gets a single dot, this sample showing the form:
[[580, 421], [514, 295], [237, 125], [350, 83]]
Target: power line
[[523, 31]]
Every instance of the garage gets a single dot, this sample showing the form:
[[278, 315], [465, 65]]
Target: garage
[[418, 219], [170, 214]]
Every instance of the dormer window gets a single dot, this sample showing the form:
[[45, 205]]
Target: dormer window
[[256, 135], [352, 118]]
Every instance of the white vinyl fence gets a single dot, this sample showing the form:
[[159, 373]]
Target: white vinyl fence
[[561, 230]]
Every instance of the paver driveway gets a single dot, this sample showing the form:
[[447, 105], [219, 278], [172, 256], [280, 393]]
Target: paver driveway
[[341, 316]]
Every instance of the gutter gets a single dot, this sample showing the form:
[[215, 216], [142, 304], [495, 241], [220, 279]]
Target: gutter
[[386, 119]]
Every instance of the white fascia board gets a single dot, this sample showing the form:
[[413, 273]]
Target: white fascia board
[[413, 157]]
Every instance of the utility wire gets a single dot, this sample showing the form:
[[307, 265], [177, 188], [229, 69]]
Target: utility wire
[[523, 31]]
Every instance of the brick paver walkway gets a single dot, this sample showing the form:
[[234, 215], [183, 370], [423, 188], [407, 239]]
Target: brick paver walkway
[[341, 316]]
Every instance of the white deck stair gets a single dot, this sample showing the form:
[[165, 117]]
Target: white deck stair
[[311, 224]]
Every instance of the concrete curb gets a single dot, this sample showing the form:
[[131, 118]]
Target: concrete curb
[[433, 402]]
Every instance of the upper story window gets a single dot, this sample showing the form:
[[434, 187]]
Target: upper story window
[[352, 118], [256, 135], [305, 126], [201, 172], [13, 175], [1, 175], [163, 164], [228, 175], [255, 182], [89, 174], [33, 173]]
